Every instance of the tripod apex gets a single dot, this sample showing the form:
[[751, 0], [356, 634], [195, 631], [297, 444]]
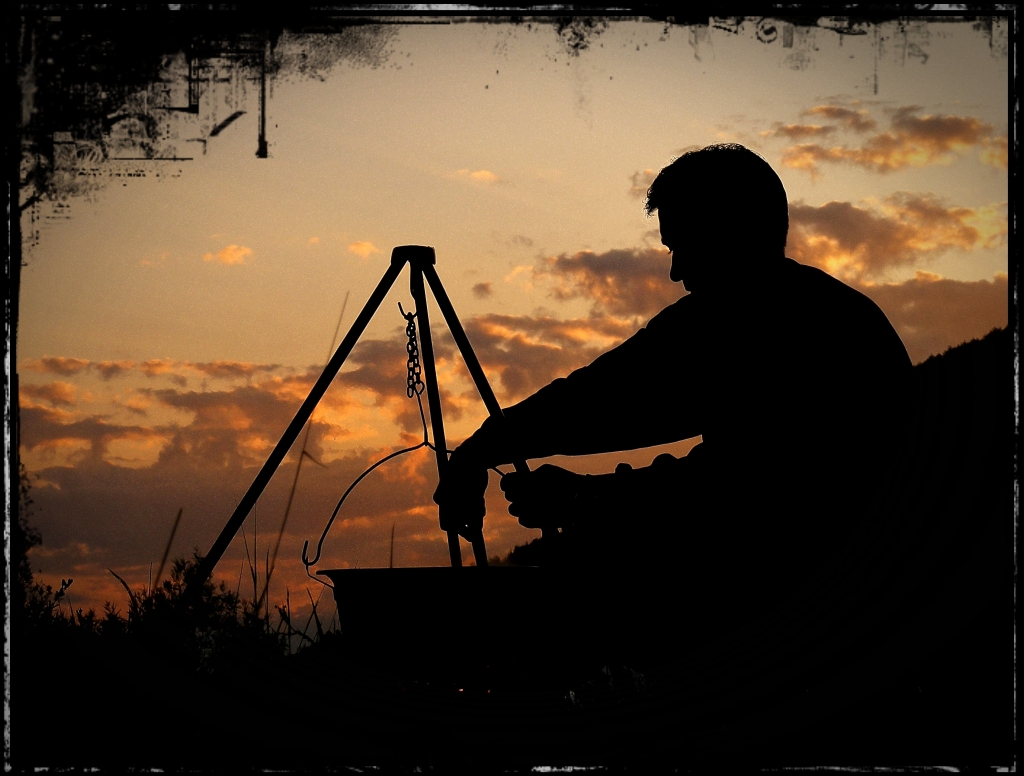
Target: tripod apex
[[421, 253]]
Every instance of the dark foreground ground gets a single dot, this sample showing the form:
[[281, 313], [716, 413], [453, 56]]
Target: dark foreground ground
[[78, 705]]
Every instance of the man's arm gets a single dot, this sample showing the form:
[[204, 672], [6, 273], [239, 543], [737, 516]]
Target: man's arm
[[636, 395]]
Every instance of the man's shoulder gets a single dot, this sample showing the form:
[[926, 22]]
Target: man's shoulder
[[805, 274], [680, 310], [823, 288], [840, 308]]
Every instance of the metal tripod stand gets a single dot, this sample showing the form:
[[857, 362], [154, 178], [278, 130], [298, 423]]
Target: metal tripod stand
[[421, 261]]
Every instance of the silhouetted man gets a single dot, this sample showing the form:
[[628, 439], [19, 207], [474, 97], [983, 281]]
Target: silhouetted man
[[789, 377]]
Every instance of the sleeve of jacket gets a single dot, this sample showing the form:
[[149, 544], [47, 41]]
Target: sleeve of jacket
[[641, 393]]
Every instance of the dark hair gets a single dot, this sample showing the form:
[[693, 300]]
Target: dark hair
[[730, 186]]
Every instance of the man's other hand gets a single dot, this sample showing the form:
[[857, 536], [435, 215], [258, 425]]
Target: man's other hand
[[460, 496], [545, 497]]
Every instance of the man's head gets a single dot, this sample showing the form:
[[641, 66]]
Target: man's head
[[719, 208]]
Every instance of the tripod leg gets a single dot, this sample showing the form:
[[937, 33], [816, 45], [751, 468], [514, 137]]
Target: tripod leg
[[479, 549], [419, 296], [472, 363], [305, 411]]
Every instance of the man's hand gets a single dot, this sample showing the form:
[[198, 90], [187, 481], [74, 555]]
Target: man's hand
[[460, 496], [545, 497]]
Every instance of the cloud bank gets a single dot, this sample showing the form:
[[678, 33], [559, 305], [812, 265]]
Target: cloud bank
[[912, 140], [854, 241]]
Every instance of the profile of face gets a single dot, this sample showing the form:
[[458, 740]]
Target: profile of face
[[691, 240]]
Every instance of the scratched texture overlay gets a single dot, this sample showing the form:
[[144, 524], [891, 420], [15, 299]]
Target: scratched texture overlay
[[206, 198]]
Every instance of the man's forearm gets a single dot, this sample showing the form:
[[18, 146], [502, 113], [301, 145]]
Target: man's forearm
[[621, 401], [558, 420], [536, 427]]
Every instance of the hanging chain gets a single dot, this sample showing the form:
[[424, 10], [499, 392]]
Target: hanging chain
[[413, 383]]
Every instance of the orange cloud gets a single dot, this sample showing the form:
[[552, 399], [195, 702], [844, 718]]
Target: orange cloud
[[851, 241], [58, 452], [631, 282], [136, 404], [57, 365], [912, 141], [640, 182], [157, 366], [134, 450], [231, 254], [109, 369], [480, 176], [527, 352], [996, 153], [799, 131], [232, 425], [220, 369], [363, 249], [232, 369], [55, 393], [380, 368], [154, 367], [46, 429], [482, 290], [857, 119]]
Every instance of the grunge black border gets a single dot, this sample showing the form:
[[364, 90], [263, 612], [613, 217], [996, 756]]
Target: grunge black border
[[235, 26]]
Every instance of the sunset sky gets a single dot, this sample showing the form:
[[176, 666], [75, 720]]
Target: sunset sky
[[171, 324]]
